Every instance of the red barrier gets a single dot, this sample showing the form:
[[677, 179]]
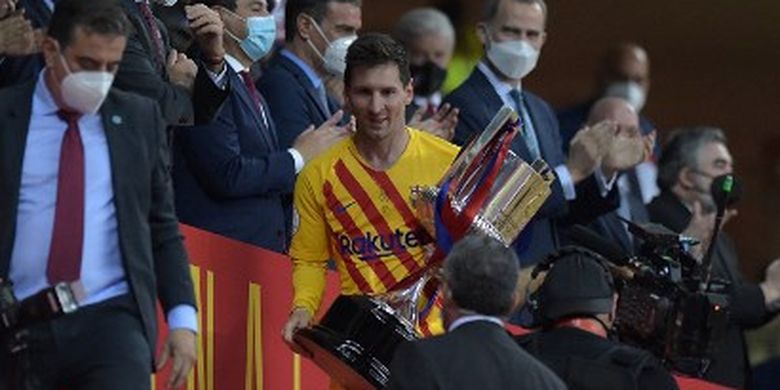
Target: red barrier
[[244, 296]]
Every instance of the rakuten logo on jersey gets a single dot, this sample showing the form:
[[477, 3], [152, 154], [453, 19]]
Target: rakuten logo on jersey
[[373, 246]]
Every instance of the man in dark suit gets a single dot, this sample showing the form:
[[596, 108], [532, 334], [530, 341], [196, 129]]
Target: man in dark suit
[[479, 286], [513, 33], [689, 162], [576, 307], [632, 148], [87, 201], [230, 175], [186, 90], [295, 82]]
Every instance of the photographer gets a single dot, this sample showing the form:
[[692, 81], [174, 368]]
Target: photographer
[[690, 161], [576, 305]]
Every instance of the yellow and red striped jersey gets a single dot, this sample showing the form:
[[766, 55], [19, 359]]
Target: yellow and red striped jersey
[[362, 218]]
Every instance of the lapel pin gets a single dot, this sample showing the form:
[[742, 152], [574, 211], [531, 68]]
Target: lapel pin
[[116, 119]]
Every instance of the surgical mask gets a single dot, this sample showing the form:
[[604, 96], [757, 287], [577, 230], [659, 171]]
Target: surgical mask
[[428, 78], [261, 33], [335, 58], [514, 59], [630, 91], [85, 91]]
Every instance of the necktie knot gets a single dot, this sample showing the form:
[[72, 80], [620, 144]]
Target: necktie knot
[[71, 117]]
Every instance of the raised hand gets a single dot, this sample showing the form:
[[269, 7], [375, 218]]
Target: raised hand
[[587, 149], [441, 124], [626, 150], [311, 142], [207, 27], [17, 36], [181, 70]]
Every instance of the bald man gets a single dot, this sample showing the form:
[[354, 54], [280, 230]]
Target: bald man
[[623, 71], [630, 147]]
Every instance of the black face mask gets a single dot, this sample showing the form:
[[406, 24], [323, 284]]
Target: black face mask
[[428, 78]]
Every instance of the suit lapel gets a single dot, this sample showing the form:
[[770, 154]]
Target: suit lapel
[[123, 147], [14, 126], [246, 99], [535, 111], [493, 103]]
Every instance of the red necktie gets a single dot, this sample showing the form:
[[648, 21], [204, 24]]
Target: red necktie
[[68, 234], [154, 32], [250, 85]]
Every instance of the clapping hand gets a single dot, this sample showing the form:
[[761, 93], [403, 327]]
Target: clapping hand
[[441, 124]]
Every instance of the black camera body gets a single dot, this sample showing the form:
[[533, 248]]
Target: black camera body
[[670, 306]]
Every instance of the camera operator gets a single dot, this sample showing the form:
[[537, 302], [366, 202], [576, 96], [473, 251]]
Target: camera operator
[[688, 164], [576, 304]]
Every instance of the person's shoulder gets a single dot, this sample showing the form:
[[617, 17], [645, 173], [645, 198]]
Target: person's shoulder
[[467, 87], [277, 72], [321, 165], [132, 104], [433, 144], [13, 92]]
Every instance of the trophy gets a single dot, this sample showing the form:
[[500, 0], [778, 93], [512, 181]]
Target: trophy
[[487, 189]]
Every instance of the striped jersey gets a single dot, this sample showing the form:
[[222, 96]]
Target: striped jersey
[[362, 218]]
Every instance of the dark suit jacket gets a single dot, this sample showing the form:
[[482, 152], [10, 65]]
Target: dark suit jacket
[[478, 103], [139, 73], [586, 361], [16, 70], [153, 254], [294, 102], [230, 175], [477, 355], [730, 365]]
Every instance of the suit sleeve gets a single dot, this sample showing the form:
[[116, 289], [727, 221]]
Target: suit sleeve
[[213, 152], [410, 369], [174, 285], [286, 100], [747, 300]]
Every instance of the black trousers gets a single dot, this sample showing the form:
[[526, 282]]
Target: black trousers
[[98, 347]]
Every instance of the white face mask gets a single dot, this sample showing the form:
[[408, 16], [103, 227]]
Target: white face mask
[[514, 59], [335, 58], [630, 91], [85, 91]]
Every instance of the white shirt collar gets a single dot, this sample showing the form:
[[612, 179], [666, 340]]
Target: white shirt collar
[[44, 103], [502, 88], [474, 318], [234, 63]]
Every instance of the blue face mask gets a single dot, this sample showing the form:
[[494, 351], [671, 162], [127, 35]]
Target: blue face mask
[[261, 33]]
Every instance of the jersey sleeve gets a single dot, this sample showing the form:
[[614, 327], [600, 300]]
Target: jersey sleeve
[[309, 247]]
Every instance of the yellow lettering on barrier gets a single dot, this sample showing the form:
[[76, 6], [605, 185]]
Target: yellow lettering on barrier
[[254, 340], [296, 371], [195, 274], [210, 331]]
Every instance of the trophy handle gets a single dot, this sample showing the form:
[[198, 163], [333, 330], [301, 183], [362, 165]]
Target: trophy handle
[[405, 300]]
